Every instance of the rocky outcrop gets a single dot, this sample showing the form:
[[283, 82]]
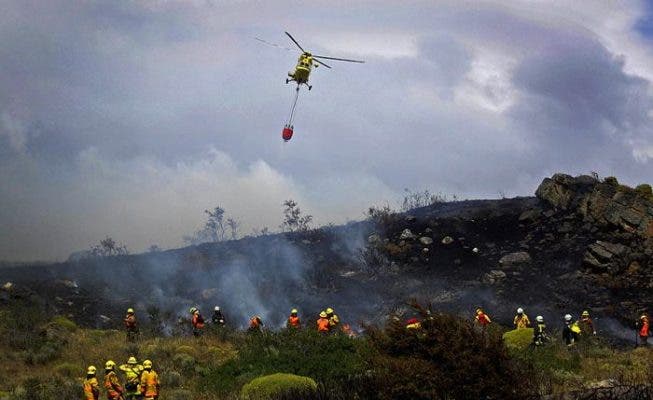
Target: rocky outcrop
[[603, 203]]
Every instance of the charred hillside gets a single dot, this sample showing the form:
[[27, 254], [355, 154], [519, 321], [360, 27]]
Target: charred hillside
[[581, 243]]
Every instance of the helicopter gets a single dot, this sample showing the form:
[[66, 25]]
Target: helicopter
[[305, 64]]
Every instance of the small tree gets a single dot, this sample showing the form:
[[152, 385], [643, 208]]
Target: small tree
[[233, 226], [293, 220], [214, 228], [108, 247]]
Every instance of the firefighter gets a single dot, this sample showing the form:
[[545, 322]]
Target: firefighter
[[521, 320], [586, 324], [293, 320], [413, 323], [149, 382], [570, 331], [218, 317], [132, 372], [323, 323], [539, 332], [91, 387], [111, 382], [333, 319], [197, 321], [131, 325], [255, 324], [643, 330], [482, 318]]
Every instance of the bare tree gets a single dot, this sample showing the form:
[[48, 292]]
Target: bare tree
[[233, 226], [293, 221], [214, 228], [108, 247]]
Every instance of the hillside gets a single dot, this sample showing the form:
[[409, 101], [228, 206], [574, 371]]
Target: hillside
[[581, 243]]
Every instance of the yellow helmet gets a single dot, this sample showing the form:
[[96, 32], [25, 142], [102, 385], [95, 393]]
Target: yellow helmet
[[130, 311], [109, 364], [91, 370], [585, 313], [293, 311], [132, 360], [323, 314], [479, 310], [147, 364], [329, 310]]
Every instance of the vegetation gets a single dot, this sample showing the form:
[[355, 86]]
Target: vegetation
[[45, 358], [275, 385], [293, 220]]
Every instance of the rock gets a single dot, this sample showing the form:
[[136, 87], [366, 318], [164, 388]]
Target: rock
[[447, 240], [426, 241], [515, 259], [494, 276], [411, 218], [565, 227], [105, 319], [425, 250], [7, 286], [374, 238], [530, 215], [407, 234], [606, 250]]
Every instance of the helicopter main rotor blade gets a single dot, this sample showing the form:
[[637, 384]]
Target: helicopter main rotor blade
[[321, 63], [273, 44], [339, 59], [293, 39]]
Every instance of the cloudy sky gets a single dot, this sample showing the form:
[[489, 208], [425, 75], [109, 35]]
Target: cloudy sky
[[129, 118]]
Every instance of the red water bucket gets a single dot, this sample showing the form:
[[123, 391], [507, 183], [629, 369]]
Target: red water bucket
[[287, 133]]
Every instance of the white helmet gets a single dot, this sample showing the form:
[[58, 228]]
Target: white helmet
[[520, 310], [539, 318], [568, 317], [217, 308]]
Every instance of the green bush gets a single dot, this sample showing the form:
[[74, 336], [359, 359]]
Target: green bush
[[171, 379], [179, 394], [68, 370], [332, 358], [184, 362], [518, 339], [64, 323], [272, 386], [644, 190]]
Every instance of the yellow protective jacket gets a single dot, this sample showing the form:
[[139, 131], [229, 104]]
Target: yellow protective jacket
[[150, 383], [91, 389], [132, 378], [333, 321], [521, 321]]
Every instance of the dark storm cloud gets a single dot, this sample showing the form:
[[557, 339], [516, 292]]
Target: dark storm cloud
[[130, 118]]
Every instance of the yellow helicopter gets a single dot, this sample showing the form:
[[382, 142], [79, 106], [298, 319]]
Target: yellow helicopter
[[305, 63]]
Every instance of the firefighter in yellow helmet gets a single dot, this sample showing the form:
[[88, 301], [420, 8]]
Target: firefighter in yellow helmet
[[91, 387], [111, 381], [132, 372], [131, 326], [333, 319], [149, 382]]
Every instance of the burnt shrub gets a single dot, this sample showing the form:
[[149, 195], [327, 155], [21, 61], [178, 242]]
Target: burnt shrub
[[446, 358]]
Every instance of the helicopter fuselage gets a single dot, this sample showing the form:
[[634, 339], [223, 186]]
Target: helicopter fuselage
[[303, 69]]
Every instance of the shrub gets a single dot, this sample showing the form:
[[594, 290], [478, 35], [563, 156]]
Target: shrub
[[64, 323], [179, 394], [518, 339], [644, 190], [185, 362], [68, 370], [272, 386], [171, 379]]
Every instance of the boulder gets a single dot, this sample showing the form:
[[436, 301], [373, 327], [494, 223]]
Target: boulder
[[494, 276], [374, 238], [426, 241], [447, 240], [407, 234], [515, 259]]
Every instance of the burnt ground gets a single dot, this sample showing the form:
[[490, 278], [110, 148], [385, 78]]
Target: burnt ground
[[364, 270]]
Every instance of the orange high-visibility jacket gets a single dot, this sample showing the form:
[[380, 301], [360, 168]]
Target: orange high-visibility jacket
[[91, 389], [130, 321], [150, 383], [643, 331], [294, 322], [198, 321], [112, 385], [323, 325]]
